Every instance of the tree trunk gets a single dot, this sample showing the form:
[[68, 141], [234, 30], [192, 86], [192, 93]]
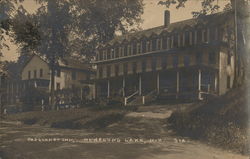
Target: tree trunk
[[52, 85]]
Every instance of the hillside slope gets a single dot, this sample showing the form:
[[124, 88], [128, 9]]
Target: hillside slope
[[222, 121]]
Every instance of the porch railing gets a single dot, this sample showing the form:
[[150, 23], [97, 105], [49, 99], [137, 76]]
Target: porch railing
[[130, 98], [149, 97]]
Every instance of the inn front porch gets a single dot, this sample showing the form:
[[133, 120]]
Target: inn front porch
[[178, 84]]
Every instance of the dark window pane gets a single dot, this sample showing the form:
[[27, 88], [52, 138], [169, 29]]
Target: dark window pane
[[186, 60], [134, 67], [198, 58], [164, 63], [144, 65], [108, 71], [175, 61]]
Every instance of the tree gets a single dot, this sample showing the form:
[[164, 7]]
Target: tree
[[64, 27], [242, 36]]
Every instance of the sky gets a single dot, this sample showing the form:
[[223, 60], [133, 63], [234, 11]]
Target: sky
[[153, 16]]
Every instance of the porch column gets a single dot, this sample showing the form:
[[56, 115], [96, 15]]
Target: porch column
[[215, 82], [177, 83], [158, 83], [140, 92], [199, 83], [108, 88], [123, 86]]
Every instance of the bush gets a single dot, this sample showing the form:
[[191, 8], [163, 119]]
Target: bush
[[222, 121]]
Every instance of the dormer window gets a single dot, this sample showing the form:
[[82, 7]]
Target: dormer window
[[134, 49], [158, 46], [109, 54], [204, 36], [176, 41], [138, 48], [153, 44], [120, 51], [165, 42], [105, 52], [148, 46], [199, 36], [187, 38], [117, 52], [129, 49], [144, 44], [112, 53], [125, 51]]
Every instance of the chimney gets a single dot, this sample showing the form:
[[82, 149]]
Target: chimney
[[166, 18]]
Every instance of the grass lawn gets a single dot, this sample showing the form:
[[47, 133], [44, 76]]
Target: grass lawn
[[89, 117]]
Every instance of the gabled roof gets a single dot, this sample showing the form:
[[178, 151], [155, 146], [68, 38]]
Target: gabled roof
[[189, 23], [66, 62]]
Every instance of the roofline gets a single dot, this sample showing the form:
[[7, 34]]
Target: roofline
[[106, 45]]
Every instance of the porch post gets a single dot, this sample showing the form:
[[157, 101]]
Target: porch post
[[123, 87], [199, 84], [158, 82], [140, 92], [177, 84], [108, 88], [215, 82]]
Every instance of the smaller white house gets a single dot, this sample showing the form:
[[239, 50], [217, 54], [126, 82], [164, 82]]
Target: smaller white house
[[69, 74]]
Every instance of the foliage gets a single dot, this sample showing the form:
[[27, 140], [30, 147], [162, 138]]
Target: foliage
[[222, 121], [72, 119]]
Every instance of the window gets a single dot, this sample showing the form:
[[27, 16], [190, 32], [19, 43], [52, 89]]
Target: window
[[153, 44], [198, 58], [108, 54], [143, 66], [153, 64], [41, 72], [158, 44], [120, 51], [175, 43], [134, 67], [58, 73], [165, 42], [144, 46], [105, 54], [58, 86], [229, 59], [117, 52], [35, 74], [125, 68], [186, 60], [88, 77], [175, 61], [125, 51], [228, 82], [187, 38], [164, 63], [129, 50], [101, 55], [29, 74], [112, 53], [148, 46], [100, 72], [108, 71], [138, 48], [199, 36], [116, 70], [134, 48], [204, 35], [211, 58], [73, 75]]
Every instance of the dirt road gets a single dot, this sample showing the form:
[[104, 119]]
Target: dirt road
[[141, 135]]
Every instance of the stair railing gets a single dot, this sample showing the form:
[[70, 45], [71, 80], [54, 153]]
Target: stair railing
[[148, 96], [128, 99]]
